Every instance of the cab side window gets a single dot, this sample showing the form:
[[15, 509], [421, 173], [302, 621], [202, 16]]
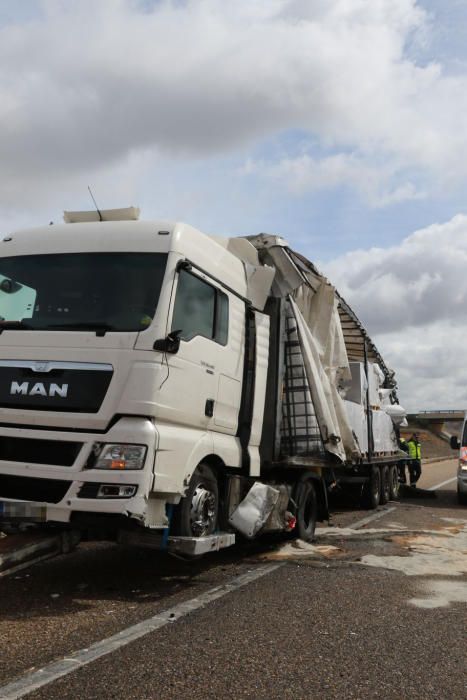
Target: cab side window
[[200, 309]]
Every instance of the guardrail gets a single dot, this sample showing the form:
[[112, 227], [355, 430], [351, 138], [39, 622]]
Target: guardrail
[[441, 411]]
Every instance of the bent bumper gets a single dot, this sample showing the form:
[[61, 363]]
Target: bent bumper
[[62, 490]]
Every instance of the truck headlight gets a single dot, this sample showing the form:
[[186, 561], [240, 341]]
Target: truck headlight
[[117, 456]]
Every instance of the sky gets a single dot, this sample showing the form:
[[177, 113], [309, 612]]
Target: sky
[[339, 124]]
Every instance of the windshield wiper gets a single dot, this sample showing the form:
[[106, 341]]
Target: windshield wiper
[[99, 328], [15, 326]]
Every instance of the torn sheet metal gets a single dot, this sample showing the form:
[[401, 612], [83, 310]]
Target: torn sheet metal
[[279, 517], [329, 406], [252, 513], [259, 277]]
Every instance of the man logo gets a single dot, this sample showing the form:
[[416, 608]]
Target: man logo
[[38, 389]]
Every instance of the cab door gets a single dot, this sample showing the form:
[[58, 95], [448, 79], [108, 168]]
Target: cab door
[[200, 312]]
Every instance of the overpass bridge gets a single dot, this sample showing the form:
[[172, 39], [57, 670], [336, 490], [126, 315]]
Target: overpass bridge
[[440, 422], [435, 416]]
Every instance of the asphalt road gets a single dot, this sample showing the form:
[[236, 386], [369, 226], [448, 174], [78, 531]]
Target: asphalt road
[[375, 609]]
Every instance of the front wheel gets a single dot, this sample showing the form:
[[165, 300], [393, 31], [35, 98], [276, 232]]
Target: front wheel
[[197, 513], [461, 498]]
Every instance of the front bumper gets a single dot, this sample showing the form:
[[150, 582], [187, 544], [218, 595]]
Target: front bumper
[[61, 489]]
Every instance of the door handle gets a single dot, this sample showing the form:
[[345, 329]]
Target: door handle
[[209, 408]]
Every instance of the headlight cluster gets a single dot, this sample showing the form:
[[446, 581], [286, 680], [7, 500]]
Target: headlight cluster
[[117, 456]]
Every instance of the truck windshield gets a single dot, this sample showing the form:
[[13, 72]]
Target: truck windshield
[[80, 291]]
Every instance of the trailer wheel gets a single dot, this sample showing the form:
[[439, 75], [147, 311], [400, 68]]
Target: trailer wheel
[[307, 510], [197, 513], [372, 490], [393, 482], [385, 486]]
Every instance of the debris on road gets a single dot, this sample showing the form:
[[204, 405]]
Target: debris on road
[[299, 548]]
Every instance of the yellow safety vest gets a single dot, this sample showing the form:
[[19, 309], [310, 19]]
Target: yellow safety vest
[[415, 451]]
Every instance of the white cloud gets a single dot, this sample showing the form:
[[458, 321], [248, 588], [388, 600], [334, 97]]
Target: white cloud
[[87, 84], [379, 185], [412, 298]]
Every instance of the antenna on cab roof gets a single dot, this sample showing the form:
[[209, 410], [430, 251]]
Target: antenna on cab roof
[[95, 204]]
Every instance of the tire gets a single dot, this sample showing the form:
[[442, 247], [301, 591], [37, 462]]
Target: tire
[[307, 510], [461, 498], [394, 484], [385, 486], [372, 490], [197, 513]]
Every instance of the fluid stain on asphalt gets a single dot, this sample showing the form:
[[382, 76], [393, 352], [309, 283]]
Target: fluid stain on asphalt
[[444, 554], [431, 554], [441, 593]]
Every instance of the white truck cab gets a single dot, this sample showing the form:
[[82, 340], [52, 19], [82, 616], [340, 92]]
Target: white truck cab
[[98, 414]]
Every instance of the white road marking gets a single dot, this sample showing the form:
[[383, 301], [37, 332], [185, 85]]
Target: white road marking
[[26, 565], [57, 669], [369, 519], [28, 554], [443, 483]]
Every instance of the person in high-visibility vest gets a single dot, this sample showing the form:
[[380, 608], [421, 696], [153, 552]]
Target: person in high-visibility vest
[[415, 459], [403, 463]]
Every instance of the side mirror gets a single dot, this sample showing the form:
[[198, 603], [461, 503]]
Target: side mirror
[[454, 442], [170, 344]]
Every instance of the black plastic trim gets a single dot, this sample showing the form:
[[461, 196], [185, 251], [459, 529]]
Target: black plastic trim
[[182, 265], [245, 415]]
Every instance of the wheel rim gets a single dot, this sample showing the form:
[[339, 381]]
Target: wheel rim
[[203, 511], [395, 482]]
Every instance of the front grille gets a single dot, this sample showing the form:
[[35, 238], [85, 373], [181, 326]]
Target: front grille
[[58, 453], [65, 387], [26, 488]]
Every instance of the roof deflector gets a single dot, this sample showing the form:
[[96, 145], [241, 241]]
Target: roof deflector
[[124, 214]]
